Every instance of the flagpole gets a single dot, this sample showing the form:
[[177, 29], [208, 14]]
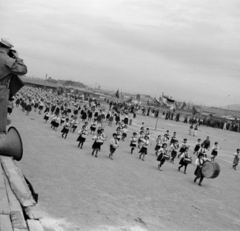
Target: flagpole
[[156, 121]]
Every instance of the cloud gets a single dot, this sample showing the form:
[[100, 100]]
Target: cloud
[[143, 46]]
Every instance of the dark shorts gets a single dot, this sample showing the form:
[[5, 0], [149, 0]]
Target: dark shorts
[[112, 149]]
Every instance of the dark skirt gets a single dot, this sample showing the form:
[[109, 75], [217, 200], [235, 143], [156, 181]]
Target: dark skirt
[[182, 150], [133, 145], [112, 149], [125, 120], [124, 135], [9, 110], [214, 153], [46, 117], [143, 150], [64, 130], [198, 172], [96, 145], [93, 129], [28, 108], [40, 107], [173, 154], [182, 162], [81, 139], [56, 125]]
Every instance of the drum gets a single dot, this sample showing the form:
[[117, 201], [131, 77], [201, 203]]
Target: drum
[[187, 160], [210, 169], [166, 157]]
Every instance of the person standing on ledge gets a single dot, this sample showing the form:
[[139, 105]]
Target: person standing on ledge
[[10, 67]]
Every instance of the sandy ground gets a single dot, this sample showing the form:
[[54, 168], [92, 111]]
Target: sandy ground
[[80, 192]]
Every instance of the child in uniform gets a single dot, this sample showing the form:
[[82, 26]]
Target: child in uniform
[[114, 143], [46, 117], [197, 147], [133, 143], [158, 144], [161, 153], [215, 149], [198, 172], [236, 159], [82, 136], [183, 147], [183, 161], [65, 130], [174, 147], [143, 150]]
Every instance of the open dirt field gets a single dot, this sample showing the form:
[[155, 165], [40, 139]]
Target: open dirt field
[[80, 192]]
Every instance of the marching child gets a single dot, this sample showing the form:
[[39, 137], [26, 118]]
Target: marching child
[[114, 143], [197, 147], [65, 130], [133, 143], [57, 122], [46, 117], [53, 121], [74, 125], [143, 150], [236, 159], [98, 141], [174, 147], [93, 127], [183, 147], [140, 139], [158, 144], [215, 149], [185, 160], [162, 152], [82, 135], [174, 137], [198, 172]]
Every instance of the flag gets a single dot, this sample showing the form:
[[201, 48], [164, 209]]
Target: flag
[[156, 101], [183, 106], [196, 110], [117, 94], [170, 103]]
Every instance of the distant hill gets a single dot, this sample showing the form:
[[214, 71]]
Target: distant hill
[[233, 107]]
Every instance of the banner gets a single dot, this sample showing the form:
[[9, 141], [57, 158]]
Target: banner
[[170, 103]]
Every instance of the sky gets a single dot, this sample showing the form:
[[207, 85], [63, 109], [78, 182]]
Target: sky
[[189, 50]]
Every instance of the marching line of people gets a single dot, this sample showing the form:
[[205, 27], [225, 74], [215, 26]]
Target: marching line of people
[[59, 112]]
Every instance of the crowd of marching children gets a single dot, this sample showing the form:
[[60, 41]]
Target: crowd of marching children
[[63, 111]]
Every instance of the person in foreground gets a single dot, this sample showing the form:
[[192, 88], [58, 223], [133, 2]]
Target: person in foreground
[[10, 67]]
